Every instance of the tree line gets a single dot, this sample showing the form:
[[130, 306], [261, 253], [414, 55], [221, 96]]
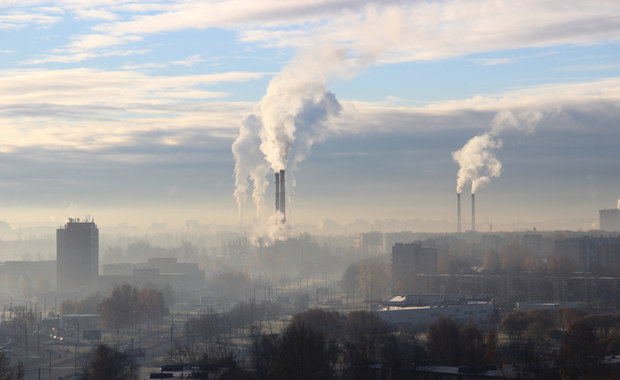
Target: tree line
[[323, 344], [566, 344], [125, 307]]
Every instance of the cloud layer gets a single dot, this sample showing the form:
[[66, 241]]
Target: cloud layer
[[126, 87]]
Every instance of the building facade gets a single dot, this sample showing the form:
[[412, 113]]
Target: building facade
[[590, 253], [77, 257], [594, 292], [409, 259], [422, 310], [609, 220]]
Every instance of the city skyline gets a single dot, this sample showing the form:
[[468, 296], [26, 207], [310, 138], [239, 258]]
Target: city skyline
[[127, 111]]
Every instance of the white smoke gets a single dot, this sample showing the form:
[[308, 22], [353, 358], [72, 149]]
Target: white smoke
[[618, 205], [249, 164], [477, 162], [476, 159], [293, 100], [292, 115], [285, 124]]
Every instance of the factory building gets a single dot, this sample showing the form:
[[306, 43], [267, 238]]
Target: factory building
[[77, 257], [422, 310]]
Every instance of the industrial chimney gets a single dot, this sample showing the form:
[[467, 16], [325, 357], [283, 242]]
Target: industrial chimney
[[282, 196], [473, 212], [277, 186], [458, 212]]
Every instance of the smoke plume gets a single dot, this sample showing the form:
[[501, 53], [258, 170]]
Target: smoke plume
[[285, 124], [296, 107], [477, 160]]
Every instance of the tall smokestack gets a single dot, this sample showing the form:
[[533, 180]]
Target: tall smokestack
[[277, 186], [458, 212], [282, 196], [473, 212]]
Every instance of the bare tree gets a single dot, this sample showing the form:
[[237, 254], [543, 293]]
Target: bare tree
[[109, 364]]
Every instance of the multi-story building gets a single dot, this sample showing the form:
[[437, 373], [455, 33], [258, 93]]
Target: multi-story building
[[594, 291], [409, 259], [609, 220], [590, 254], [77, 257], [369, 243], [158, 272]]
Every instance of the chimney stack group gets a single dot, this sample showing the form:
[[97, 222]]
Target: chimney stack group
[[473, 212], [280, 195], [458, 213]]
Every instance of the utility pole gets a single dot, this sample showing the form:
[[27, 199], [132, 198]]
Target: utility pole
[[26, 336], [77, 347], [171, 333]]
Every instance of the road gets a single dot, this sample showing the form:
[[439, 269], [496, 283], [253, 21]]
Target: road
[[63, 358]]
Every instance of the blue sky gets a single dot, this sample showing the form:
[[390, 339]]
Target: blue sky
[[128, 110]]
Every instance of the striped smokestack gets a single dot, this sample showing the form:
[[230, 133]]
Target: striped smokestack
[[458, 212], [277, 186], [282, 196], [473, 212]]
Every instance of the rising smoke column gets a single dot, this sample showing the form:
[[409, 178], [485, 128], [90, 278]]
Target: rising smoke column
[[292, 115], [476, 159], [249, 164], [289, 119], [477, 162]]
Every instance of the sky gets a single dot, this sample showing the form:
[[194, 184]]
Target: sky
[[166, 111]]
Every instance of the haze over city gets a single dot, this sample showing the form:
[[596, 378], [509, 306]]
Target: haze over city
[[316, 189], [128, 111]]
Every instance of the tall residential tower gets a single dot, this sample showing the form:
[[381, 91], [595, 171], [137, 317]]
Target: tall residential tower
[[77, 256]]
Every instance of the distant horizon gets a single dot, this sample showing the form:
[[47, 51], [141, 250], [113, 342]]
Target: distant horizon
[[359, 225]]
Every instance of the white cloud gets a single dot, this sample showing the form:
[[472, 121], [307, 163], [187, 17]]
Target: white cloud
[[190, 61], [85, 110], [95, 14], [496, 61], [69, 57], [597, 99], [20, 20], [97, 41], [386, 32], [86, 86], [149, 65]]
